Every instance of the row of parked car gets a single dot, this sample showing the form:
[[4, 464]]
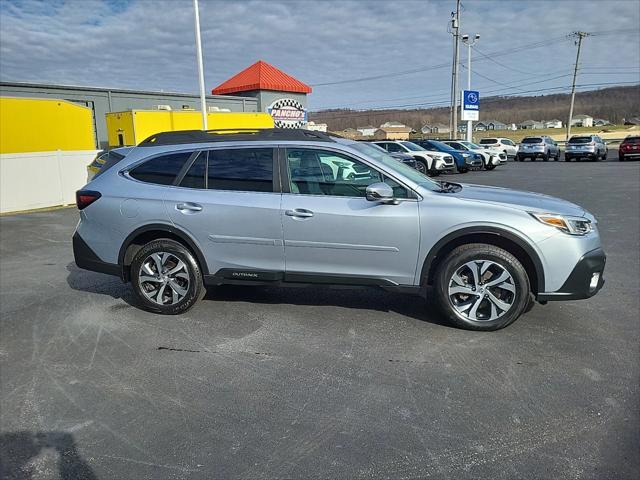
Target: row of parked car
[[590, 147], [433, 157]]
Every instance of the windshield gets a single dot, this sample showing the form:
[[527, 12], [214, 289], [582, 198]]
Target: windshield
[[412, 146], [391, 163], [633, 140], [471, 145], [532, 140], [442, 146], [488, 141], [580, 140]]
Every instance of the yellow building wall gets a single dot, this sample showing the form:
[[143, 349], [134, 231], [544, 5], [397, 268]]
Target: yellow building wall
[[137, 125], [43, 125]]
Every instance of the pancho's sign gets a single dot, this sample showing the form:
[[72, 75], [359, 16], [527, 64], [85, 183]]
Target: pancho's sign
[[287, 113]]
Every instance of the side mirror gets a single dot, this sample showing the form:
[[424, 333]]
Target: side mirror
[[380, 192]]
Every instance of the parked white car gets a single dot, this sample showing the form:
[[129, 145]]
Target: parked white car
[[491, 157], [427, 161], [505, 145]]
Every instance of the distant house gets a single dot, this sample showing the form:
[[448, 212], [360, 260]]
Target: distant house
[[582, 121], [350, 133], [480, 127], [632, 121], [367, 131], [392, 124], [555, 123], [435, 128], [600, 122], [530, 125], [392, 133], [316, 127], [495, 125]]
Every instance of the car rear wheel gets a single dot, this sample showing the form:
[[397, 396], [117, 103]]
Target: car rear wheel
[[166, 277], [545, 157], [482, 287], [621, 158]]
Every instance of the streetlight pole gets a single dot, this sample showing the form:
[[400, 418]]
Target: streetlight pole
[[470, 43], [203, 100]]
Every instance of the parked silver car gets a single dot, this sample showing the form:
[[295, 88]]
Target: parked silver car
[[539, 146], [591, 147], [188, 209]]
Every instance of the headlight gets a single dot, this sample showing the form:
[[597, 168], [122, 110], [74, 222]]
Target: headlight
[[466, 155], [570, 225]]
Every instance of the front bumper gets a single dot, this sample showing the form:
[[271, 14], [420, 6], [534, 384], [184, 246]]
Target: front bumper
[[586, 279]]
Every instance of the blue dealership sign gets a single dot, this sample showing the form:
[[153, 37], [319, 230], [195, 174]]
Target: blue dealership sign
[[470, 104], [471, 100]]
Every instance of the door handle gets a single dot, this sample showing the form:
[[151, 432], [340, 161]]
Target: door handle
[[189, 207], [299, 213]]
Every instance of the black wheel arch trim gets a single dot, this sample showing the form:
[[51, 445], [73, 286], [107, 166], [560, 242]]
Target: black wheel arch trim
[[184, 237], [426, 273]]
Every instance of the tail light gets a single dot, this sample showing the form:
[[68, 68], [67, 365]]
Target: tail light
[[84, 198]]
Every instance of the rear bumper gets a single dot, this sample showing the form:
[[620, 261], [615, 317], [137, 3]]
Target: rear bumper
[[86, 259], [586, 279]]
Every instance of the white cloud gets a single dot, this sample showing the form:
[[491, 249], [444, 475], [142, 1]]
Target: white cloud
[[149, 44]]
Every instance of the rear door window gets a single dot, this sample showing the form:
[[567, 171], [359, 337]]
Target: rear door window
[[161, 170], [241, 169], [195, 177]]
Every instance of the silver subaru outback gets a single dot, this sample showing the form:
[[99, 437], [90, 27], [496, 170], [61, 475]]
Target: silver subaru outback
[[184, 210]]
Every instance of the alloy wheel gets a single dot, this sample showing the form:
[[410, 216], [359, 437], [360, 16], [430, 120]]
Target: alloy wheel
[[164, 278], [482, 290]]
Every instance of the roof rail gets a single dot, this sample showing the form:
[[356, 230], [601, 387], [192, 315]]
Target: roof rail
[[234, 135]]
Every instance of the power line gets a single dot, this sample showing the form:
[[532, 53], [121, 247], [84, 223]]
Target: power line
[[504, 52]]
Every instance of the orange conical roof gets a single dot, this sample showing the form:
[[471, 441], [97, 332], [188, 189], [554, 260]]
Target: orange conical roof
[[261, 76]]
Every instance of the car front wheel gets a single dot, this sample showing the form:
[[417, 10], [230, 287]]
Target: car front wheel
[[421, 166], [166, 277], [482, 287]]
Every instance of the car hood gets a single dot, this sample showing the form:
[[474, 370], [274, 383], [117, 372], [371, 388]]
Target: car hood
[[528, 201]]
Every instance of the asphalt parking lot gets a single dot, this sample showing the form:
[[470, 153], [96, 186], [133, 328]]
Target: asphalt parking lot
[[319, 383]]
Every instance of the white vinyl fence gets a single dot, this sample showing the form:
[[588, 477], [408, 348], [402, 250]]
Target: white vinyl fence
[[42, 179]]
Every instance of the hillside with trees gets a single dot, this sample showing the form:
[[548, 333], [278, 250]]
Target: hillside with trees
[[613, 104]]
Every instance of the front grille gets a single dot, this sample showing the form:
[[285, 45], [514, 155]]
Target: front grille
[[448, 159]]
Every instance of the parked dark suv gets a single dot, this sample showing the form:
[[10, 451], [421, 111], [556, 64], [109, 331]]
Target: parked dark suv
[[629, 149]]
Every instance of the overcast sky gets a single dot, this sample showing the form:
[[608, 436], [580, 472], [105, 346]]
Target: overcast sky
[[149, 44]]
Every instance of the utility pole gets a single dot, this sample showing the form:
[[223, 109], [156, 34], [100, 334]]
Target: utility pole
[[580, 36], [203, 100], [455, 29]]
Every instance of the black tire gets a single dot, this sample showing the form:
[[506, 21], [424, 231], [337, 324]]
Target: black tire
[[194, 290], [421, 166], [489, 166], [621, 158], [463, 169], [567, 158], [520, 299], [545, 157], [518, 158]]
